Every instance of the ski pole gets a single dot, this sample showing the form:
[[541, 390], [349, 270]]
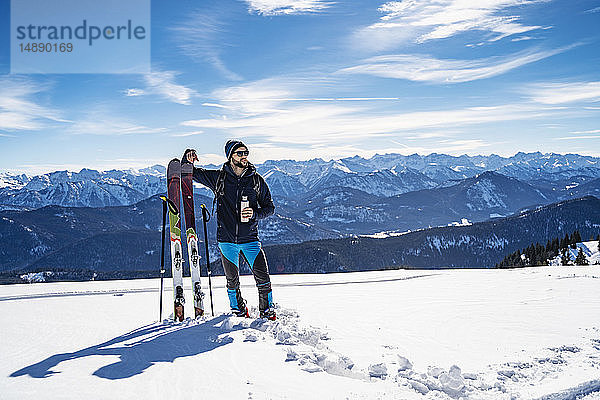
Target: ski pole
[[162, 254], [205, 219]]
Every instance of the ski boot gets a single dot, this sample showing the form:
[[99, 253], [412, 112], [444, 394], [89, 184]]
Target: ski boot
[[269, 314], [241, 312], [265, 303]]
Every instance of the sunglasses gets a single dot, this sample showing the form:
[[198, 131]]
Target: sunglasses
[[242, 153]]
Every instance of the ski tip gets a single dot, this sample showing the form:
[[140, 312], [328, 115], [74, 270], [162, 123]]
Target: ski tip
[[174, 169]]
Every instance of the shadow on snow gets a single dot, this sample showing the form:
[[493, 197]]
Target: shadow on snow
[[143, 347]]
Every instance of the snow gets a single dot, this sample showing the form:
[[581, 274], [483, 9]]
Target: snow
[[531, 333], [338, 164], [463, 222], [36, 276], [590, 249], [386, 234]]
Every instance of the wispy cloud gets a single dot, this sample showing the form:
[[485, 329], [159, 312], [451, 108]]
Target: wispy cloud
[[433, 134], [134, 92], [210, 158], [266, 95], [522, 38], [186, 134], [559, 93], [200, 38], [162, 83], [430, 69], [578, 137], [19, 111], [104, 122], [216, 105], [426, 20], [593, 10], [287, 7], [261, 111], [109, 126]]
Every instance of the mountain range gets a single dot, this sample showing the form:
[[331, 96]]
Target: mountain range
[[381, 175], [86, 188], [349, 196], [92, 219], [117, 242]]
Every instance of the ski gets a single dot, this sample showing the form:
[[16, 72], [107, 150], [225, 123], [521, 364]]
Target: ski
[[173, 188], [187, 191]]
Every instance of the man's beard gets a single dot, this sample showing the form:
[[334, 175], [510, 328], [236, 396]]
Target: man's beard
[[239, 164]]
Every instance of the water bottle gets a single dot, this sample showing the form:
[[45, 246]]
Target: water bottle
[[244, 204]]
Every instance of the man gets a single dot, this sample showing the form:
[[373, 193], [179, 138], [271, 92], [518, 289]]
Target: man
[[238, 180]]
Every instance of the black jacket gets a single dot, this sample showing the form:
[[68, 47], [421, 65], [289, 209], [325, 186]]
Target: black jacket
[[230, 228]]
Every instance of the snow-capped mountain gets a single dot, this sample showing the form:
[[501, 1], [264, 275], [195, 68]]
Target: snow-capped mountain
[[14, 181], [282, 184], [532, 166], [440, 168], [483, 196], [491, 191], [380, 183], [380, 175], [343, 209], [87, 188], [443, 173], [488, 195]]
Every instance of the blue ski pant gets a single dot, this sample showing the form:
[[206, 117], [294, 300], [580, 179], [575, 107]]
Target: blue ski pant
[[256, 259]]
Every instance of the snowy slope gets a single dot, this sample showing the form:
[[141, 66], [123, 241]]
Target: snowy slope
[[531, 333], [590, 251]]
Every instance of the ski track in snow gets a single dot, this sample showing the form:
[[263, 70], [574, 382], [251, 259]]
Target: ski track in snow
[[117, 292]]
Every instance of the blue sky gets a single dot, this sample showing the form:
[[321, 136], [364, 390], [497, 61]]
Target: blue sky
[[311, 78]]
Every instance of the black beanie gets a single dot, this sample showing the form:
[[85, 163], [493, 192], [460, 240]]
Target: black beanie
[[231, 145]]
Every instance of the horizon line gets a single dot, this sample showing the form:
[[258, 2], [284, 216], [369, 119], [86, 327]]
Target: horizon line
[[10, 172]]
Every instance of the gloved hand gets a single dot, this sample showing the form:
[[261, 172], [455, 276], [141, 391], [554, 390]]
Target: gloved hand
[[189, 156]]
